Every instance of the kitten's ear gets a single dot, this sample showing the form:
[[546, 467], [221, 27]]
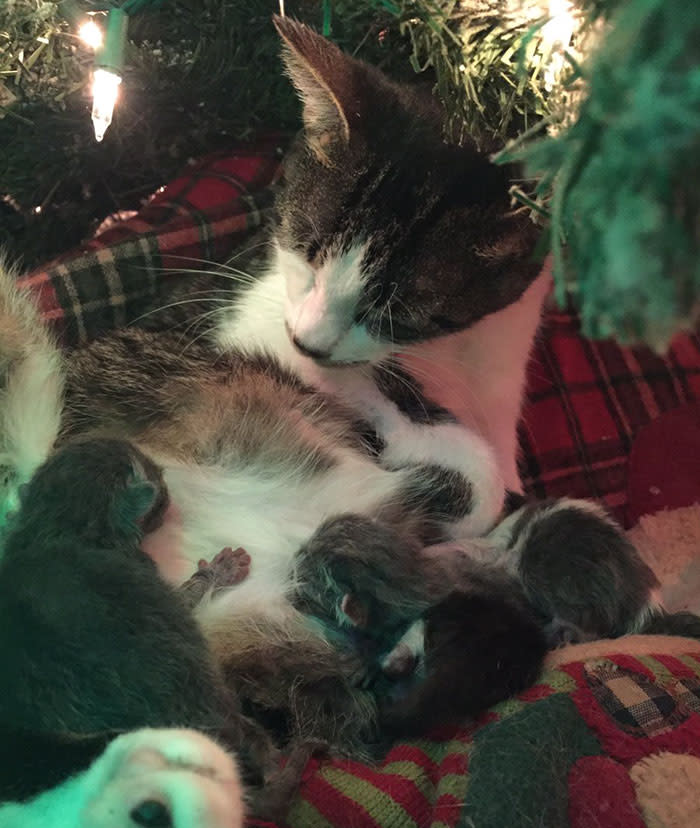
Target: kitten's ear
[[326, 80]]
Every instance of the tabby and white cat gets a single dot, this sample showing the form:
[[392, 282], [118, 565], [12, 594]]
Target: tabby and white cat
[[298, 433]]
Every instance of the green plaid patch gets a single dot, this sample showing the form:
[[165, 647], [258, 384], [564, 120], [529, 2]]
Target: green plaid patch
[[638, 706]]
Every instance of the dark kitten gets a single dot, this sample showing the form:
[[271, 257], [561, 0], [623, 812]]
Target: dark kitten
[[94, 643], [481, 647], [89, 603]]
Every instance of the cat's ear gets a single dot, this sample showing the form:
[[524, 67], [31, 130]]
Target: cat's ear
[[326, 80]]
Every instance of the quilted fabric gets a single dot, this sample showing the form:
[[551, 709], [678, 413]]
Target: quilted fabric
[[598, 742], [563, 753]]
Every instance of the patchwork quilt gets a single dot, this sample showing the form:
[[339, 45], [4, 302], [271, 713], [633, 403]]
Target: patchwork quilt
[[610, 735]]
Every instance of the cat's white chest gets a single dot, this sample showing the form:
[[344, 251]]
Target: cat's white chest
[[479, 374]]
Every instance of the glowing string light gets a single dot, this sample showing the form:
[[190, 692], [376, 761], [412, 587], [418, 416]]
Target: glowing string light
[[556, 37], [105, 91], [91, 34], [108, 72]]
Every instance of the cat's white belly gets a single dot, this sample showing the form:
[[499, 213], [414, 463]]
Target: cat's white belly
[[268, 514]]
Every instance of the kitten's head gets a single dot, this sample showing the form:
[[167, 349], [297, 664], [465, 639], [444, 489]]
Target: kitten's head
[[387, 235]]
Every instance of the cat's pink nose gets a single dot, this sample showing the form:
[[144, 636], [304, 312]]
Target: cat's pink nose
[[314, 353]]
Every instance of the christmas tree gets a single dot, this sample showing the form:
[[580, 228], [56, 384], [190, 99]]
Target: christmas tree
[[600, 98]]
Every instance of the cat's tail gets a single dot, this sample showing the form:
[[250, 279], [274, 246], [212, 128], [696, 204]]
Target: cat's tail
[[31, 388]]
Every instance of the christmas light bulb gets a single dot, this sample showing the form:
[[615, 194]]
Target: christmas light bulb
[[105, 90], [559, 29], [556, 37], [91, 34]]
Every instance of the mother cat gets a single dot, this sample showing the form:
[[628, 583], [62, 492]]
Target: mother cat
[[294, 414]]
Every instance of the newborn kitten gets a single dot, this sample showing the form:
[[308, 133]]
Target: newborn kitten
[[94, 643]]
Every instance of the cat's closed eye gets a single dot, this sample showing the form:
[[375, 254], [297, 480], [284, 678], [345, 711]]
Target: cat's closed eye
[[314, 253]]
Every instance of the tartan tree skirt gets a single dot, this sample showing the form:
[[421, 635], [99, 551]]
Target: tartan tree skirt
[[610, 736]]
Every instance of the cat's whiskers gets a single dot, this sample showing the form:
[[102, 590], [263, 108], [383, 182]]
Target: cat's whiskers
[[381, 316], [463, 391], [391, 325], [388, 307], [411, 313], [231, 274], [372, 306], [310, 219], [267, 242], [189, 301], [215, 264], [220, 269], [197, 321]]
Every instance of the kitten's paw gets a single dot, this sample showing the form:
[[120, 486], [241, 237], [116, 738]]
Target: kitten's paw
[[228, 568], [400, 662], [163, 779], [354, 610]]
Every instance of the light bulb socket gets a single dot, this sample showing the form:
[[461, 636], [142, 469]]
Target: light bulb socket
[[111, 55]]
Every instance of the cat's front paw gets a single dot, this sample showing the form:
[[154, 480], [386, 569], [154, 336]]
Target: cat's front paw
[[451, 476], [163, 779]]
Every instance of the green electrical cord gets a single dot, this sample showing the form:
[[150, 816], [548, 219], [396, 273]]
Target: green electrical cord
[[136, 6], [327, 17]]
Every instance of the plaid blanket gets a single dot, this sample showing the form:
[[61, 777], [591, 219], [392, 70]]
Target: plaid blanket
[[603, 738]]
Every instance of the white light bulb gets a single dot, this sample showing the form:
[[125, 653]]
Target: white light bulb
[[556, 36], [105, 90], [91, 34], [559, 29]]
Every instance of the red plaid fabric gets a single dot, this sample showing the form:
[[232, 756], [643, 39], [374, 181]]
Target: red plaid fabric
[[193, 222], [586, 403]]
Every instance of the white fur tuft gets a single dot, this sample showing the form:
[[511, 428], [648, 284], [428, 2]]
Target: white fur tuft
[[31, 388]]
